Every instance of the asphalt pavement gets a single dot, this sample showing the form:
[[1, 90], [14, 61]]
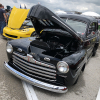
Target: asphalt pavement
[[10, 87], [86, 89]]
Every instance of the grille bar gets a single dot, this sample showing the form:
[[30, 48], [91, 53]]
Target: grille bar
[[33, 70], [35, 75], [32, 60], [35, 66]]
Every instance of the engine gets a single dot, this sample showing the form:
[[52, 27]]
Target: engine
[[56, 46]]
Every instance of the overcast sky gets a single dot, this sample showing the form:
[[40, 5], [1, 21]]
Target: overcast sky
[[56, 5]]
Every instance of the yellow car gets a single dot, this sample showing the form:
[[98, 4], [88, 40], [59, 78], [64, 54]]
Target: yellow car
[[19, 26]]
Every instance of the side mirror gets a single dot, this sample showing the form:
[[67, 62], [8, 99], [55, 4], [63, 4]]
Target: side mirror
[[90, 29]]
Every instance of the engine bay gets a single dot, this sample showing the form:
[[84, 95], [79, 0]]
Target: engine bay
[[56, 45]]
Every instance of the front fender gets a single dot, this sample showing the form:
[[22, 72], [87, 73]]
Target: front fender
[[76, 61], [20, 43]]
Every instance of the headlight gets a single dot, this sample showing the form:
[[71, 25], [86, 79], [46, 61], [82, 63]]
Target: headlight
[[9, 48], [62, 67], [24, 30]]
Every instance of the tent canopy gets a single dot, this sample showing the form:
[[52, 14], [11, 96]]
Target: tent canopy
[[91, 14]]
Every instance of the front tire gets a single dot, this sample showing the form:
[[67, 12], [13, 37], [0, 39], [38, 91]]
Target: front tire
[[83, 68], [76, 81], [95, 49], [94, 52]]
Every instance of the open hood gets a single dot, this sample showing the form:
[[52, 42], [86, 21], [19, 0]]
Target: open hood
[[17, 17], [42, 18]]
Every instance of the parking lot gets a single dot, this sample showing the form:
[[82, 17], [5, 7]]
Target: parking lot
[[86, 89]]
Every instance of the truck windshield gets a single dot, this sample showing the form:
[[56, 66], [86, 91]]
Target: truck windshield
[[78, 26]]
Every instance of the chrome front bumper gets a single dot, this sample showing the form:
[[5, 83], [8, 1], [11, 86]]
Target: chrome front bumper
[[46, 86]]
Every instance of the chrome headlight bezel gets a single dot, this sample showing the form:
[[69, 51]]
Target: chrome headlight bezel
[[9, 48], [62, 67]]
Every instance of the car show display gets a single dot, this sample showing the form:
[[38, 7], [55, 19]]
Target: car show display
[[55, 58], [18, 25]]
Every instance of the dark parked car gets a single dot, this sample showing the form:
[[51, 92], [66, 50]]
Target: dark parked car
[[54, 59]]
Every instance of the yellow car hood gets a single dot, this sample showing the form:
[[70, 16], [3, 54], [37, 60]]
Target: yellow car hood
[[17, 17]]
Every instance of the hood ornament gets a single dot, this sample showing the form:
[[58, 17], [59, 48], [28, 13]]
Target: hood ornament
[[19, 49], [47, 59]]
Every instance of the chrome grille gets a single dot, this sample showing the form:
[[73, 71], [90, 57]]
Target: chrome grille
[[35, 68]]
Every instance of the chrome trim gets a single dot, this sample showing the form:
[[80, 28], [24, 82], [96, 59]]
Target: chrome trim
[[44, 74], [35, 66], [34, 76], [47, 59], [10, 48], [32, 60], [49, 87], [32, 69], [60, 66], [62, 23], [19, 49]]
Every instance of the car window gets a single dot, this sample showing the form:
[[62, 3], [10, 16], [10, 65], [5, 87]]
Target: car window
[[78, 26], [92, 26]]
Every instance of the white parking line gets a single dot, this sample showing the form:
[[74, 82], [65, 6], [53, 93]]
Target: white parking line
[[98, 96], [29, 91]]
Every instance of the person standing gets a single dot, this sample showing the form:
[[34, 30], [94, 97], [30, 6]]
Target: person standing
[[7, 14], [3, 19]]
